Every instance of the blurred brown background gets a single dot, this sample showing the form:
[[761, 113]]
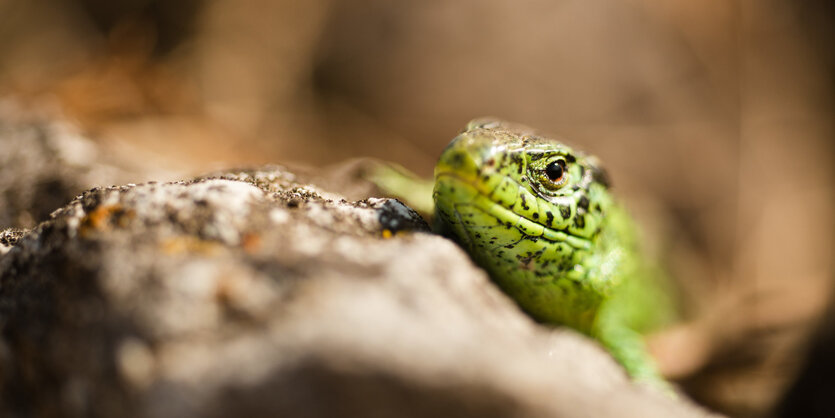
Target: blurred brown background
[[714, 118]]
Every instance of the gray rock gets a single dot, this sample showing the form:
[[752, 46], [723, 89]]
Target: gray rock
[[253, 294]]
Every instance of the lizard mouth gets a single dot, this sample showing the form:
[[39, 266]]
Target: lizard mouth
[[477, 197]]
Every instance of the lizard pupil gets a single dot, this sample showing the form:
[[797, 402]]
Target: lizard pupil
[[555, 171]]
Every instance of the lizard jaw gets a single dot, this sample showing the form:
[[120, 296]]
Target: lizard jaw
[[449, 180]]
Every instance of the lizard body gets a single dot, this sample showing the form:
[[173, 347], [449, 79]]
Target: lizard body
[[539, 217]]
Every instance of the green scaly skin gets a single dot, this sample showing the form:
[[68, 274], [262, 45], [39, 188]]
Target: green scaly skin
[[564, 250]]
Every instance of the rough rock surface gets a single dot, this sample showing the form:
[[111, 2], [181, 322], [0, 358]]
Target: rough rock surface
[[253, 293]]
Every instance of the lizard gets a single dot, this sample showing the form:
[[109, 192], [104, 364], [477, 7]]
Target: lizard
[[540, 218]]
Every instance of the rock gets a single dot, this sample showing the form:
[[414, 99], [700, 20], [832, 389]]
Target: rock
[[257, 293], [254, 294]]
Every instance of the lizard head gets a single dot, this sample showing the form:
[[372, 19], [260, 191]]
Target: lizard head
[[525, 179], [520, 202]]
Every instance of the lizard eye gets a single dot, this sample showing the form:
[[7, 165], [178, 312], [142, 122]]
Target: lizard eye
[[555, 171], [548, 172]]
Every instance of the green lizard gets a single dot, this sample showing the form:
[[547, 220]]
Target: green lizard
[[538, 216]]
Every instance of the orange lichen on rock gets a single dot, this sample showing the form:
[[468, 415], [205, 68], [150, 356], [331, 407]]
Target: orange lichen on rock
[[189, 245], [104, 217]]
